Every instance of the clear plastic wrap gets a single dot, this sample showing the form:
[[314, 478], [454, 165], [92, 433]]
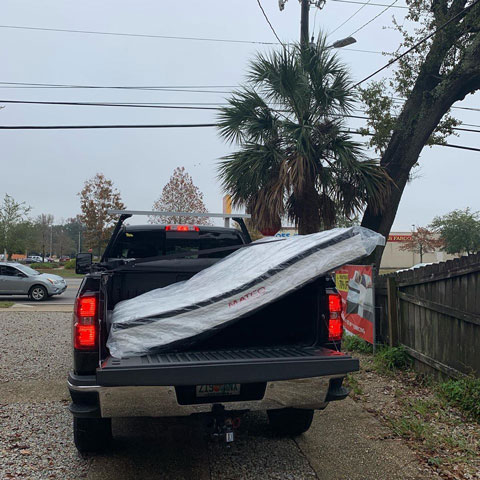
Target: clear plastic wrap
[[241, 283]]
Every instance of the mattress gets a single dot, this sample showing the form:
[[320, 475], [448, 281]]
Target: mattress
[[243, 282]]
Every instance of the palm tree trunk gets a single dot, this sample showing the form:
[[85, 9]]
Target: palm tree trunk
[[307, 207]]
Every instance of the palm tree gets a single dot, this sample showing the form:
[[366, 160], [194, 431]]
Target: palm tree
[[295, 157]]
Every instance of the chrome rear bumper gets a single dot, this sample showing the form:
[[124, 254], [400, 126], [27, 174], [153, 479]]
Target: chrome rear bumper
[[161, 401]]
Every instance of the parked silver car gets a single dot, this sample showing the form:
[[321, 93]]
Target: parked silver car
[[18, 279]]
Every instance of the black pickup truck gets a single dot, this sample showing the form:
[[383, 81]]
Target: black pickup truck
[[284, 359]]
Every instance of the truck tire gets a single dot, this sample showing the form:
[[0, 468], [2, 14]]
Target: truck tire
[[92, 434], [290, 421]]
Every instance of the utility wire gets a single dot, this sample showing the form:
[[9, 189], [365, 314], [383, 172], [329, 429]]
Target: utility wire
[[85, 127], [350, 17], [269, 23], [370, 4], [156, 126], [424, 39], [179, 106], [141, 35], [374, 18]]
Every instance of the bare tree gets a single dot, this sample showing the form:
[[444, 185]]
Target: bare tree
[[180, 195], [97, 196]]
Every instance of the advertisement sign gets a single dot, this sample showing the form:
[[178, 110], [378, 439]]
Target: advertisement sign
[[355, 285]]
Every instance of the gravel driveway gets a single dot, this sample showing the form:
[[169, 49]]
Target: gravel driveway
[[345, 441]]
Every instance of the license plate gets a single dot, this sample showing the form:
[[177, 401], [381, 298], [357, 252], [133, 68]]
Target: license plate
[[218, 390]]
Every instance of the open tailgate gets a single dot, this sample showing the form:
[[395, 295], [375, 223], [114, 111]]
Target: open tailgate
[[225, 366]]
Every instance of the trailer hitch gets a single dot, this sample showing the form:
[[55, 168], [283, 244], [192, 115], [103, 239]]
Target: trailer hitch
[[223, 424]]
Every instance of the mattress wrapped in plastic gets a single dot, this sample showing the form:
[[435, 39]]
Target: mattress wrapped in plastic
[[248, 279]]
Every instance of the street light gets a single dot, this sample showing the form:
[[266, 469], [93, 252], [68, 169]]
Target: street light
[[343, 42]]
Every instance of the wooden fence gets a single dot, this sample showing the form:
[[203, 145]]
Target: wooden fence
[[434, 312]]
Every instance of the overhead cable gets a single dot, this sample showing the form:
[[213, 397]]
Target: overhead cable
[[141, 35], [370, 4], [269, 23], [374, 18], [350, 17]]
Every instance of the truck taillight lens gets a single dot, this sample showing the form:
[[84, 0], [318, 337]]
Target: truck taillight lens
[[335, 323], [85, 323]]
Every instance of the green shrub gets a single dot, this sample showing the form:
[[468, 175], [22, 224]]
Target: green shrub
[[463, 394], [44, 266], [70, 265], [392, 358], [356, 344]]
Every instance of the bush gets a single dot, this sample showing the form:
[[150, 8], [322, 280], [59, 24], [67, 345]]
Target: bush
[[356, 344], [392, 358], [70, 265], [44, 266], [463, 394]]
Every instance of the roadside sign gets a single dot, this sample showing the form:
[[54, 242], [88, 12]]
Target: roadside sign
[[355, 285]]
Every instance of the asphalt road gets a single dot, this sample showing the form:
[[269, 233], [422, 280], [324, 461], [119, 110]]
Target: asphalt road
[[345, 441], [66, 298]]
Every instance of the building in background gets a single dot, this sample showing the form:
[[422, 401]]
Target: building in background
[[395, 259]]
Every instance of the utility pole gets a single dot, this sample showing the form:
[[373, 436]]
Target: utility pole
[[304, 36]]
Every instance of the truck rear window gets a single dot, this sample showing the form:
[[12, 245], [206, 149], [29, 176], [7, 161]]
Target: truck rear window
[[155, 243]]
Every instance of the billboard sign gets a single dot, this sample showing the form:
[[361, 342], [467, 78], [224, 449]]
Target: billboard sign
[[355, 285]]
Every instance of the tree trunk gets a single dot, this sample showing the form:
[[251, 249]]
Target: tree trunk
[[432, 96], [308, 214]]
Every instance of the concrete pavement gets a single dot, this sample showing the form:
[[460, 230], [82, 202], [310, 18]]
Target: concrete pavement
[[345, 442]]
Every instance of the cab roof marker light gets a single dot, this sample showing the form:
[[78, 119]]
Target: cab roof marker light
[[182, 228]]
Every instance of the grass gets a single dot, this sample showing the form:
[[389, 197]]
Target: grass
[[356, 344], [391, 359], [463, 394], [6, 304]]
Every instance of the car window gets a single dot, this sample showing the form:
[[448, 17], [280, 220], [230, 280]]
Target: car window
[[28, 270], [11, 272]]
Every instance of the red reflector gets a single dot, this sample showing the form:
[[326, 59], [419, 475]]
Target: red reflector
[[335, 329], [334, 302], [182, 228], [87, 306], [85, 336]]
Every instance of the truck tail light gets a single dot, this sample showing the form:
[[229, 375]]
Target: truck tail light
[[335, 322], [182, 228], [85, 322]]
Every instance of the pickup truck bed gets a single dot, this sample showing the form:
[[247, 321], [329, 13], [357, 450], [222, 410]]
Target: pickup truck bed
[[225, 366]]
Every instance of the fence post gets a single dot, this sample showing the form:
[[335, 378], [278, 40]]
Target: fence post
[[392, 312]]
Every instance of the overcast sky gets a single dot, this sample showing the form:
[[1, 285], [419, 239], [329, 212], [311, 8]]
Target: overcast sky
[[46, 169]]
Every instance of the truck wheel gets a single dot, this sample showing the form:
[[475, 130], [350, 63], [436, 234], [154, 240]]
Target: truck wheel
[[290, 421], [38, 293], [92, 434]]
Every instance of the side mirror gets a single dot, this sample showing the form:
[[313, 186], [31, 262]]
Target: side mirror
[[83, 262]]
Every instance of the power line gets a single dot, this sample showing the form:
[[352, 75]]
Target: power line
[[173, 88], [107, 104], [269, 23], [424, 39], [451, 145], [141, 35], [85, 127], [370, 4], [374, 18], [350, 17], [178, 106]]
